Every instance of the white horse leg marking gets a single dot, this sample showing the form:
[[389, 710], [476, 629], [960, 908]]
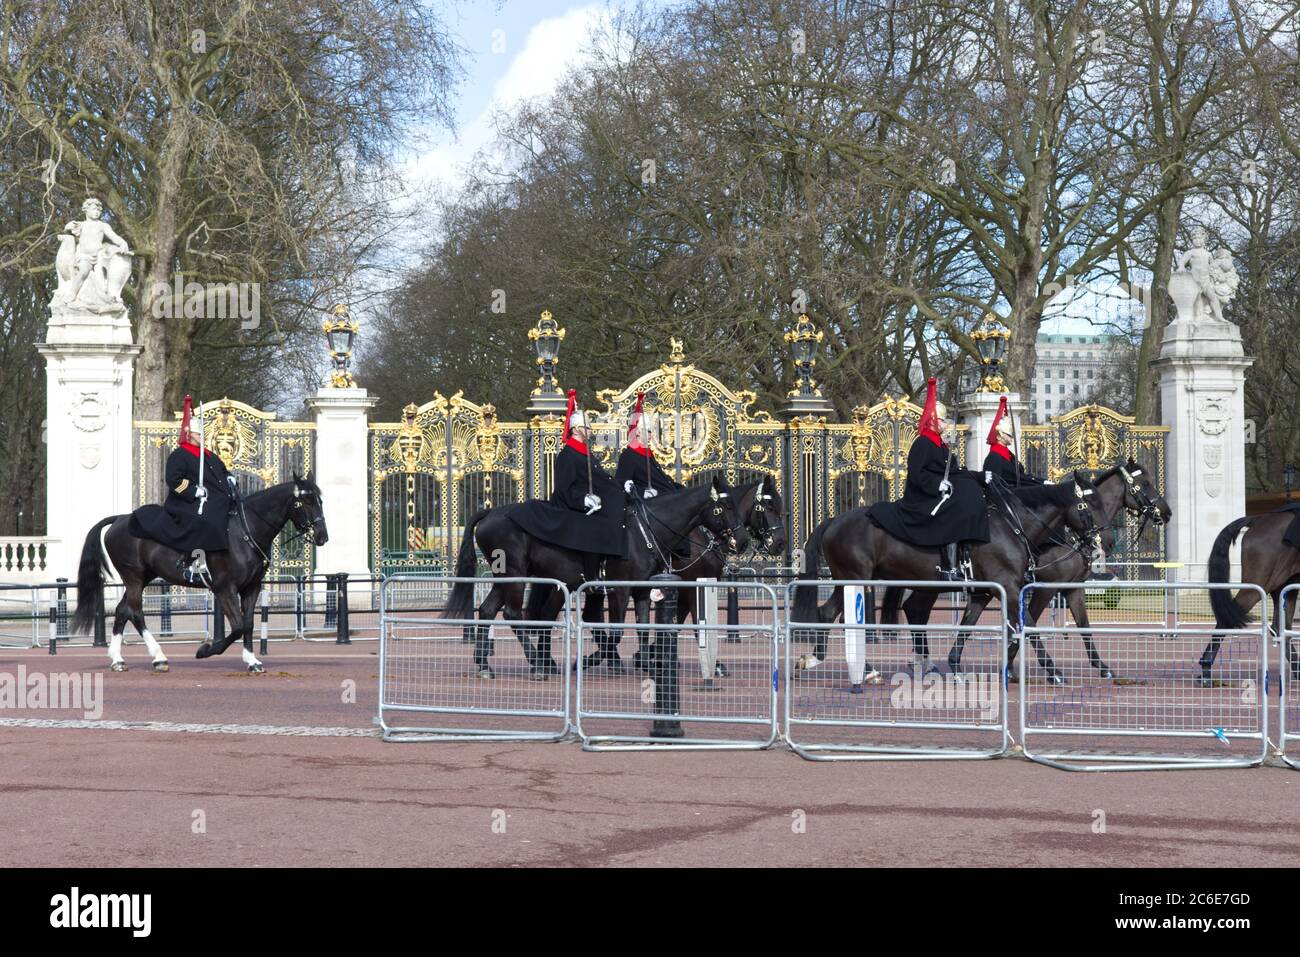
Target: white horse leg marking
[[250, 659], [115, 648], [151, 643]]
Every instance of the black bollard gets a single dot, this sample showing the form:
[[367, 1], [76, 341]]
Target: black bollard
[[165, 616], [300, 606], [331, 602], [663, 666], [733, 607], [343, 637], [54, 632], [62, 623], [101, 626], [266, 622]]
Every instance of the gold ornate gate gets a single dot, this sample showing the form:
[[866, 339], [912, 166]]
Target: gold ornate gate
[[258, 450], [1094, 438], [433, 470]]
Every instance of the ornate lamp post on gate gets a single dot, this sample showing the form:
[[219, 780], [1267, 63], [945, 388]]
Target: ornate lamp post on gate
[[805, 398], [546, 336], [992, 339], [340, 331]]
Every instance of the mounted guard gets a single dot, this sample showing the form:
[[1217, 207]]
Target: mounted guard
[[586, 510], [201, 494], [639, 472], [943, 504], [1001, 460]]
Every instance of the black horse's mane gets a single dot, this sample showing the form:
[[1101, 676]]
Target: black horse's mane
[[1032, 496]]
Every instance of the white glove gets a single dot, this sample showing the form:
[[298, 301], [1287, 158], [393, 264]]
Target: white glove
[[945, 487], [592, 502], [650, 493], [627, 486], [988, 478], [231, 480], [200, 492]]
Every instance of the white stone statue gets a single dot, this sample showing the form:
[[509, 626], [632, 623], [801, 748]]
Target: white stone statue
[[1201, 283], [93, 262]]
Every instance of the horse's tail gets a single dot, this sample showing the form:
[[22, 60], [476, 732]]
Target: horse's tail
[[90, 580], [1227, 613], [461, 603], [805, 596]]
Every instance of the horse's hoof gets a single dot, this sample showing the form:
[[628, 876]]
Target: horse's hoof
[[616, 666], [257, 669], [549, 667], [1106, 673], [720, 671], [485, 671], [807, 663], [160, 667], [874, 678], [1055, 678], [204, 650], [536, 675], [117, 666]]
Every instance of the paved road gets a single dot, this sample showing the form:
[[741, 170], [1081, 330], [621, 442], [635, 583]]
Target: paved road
[[97, 796]]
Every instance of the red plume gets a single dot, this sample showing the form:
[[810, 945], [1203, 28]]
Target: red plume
[[929, 417], [568, 414], [634, 420], [186, 412], [993, 432]]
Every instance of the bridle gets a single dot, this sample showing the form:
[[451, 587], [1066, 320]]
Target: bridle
[[717, 510], [1149, 511], [758, 522], [302, 530]]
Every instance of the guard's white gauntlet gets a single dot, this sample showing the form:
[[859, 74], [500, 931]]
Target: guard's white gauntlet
[[592, 501]]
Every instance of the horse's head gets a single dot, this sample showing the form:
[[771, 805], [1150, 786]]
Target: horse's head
[[722, 517], [306, 511], [766, 517], [1140, 494]]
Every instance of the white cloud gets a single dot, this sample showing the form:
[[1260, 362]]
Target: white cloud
[[551, 48]]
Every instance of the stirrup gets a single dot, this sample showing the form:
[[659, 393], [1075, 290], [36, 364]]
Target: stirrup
[[197, 574]]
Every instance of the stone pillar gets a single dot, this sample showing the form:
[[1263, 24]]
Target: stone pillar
[[977, 411], [342, 434], [89, 377], [1202, 370]]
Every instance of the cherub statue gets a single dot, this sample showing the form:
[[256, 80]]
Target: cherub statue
[[90, 249], [1223, 275]]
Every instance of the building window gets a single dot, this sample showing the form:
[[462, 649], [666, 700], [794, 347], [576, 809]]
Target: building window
[[1076, 374], [1089, 373], [1048, 405], [1076, 390]]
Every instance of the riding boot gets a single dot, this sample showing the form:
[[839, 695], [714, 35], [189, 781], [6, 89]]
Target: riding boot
[[950, 571]]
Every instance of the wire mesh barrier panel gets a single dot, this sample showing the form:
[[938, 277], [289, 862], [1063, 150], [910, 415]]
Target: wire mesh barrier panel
[[863, 691], [24, 615], [1144, 690], [466, 679], [703, 684], [1288, 736]]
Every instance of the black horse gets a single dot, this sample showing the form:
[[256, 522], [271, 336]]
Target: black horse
[[1268, 561], [763, 513], [653, 528], [857, 549], [236, 574], [1125, 487]]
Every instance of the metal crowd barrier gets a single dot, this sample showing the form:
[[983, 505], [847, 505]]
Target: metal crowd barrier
[[1130, 690], [1289, 669], [428, 672], [672, 691], [874, 698]]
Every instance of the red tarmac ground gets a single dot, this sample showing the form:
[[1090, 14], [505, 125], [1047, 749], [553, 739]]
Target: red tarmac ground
[[98, 796]]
